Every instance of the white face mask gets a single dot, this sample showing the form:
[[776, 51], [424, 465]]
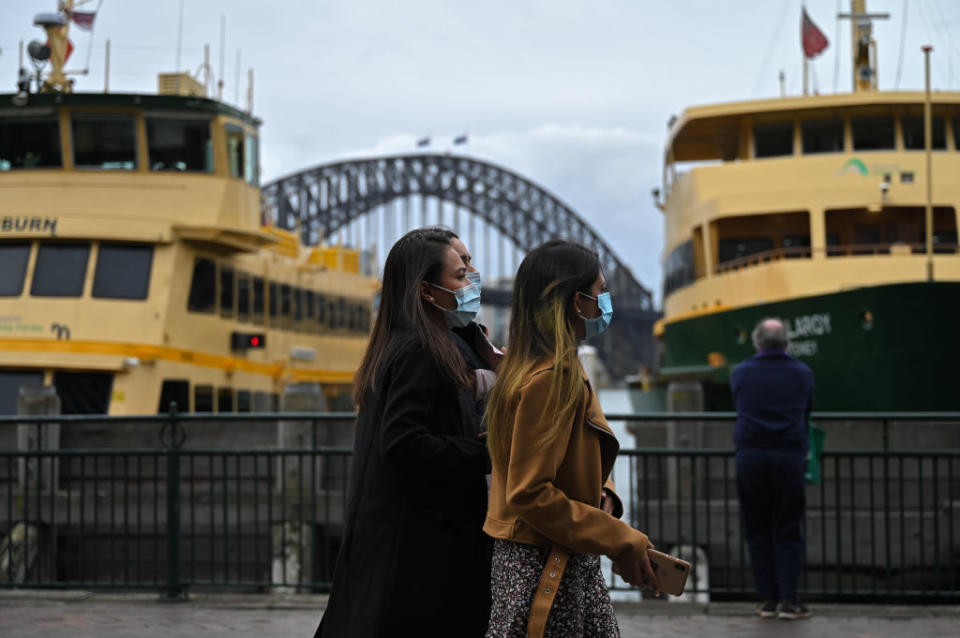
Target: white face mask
[[468, 304]]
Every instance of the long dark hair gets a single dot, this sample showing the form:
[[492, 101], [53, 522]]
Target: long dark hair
[[416, 257], [542, 332]]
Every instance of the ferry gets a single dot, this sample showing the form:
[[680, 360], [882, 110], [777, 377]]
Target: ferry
[[137, 268], [821, 210]]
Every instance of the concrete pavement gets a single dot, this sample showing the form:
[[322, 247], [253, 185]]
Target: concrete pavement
[[78, 614]]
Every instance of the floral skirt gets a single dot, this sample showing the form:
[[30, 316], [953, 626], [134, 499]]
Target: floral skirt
[[582, 606]]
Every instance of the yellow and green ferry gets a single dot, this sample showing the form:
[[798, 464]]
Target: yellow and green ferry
[[136, 266], [814, 209]]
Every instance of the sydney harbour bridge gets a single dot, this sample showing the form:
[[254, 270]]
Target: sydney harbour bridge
[[500, 215]]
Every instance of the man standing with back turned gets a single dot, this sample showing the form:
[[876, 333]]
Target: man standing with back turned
[[773, 395]]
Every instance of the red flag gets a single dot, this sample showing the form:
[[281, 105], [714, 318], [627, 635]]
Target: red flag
[[813, 39], [84, 19]]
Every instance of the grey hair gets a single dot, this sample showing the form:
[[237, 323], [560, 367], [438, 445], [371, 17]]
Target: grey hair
[[772, 337]]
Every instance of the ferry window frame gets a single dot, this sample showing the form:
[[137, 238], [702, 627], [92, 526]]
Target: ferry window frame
[[872, 123], [200, 163], [57, 273], [228, 287], [122, 271], [343, 309], [258, 286], [14, 129], [103, 119], [808, 134], [679, 268], [938, 133], [769, 132], [13, 267], [955, 125], [235, 138], [203, 300], [243, 296], [204, 392]]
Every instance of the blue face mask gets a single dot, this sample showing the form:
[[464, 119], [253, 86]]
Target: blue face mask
[[468, 303], [598, 324]]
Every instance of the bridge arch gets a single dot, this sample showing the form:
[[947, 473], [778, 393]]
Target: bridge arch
[[323, 199]]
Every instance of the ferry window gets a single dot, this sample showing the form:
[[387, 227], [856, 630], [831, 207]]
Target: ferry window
[[226, 291], [285, 303], [235, 139], [321, 312], [174, 390], [956, 132], [60, 270], [737, 248], [297, 306], [243, 400], [251, 171], [822, 136], [274, 402], [872, 133], [29, 142], [771, 140], [104, 141], [261, 402], [13, 266], [224, 400], [203, 286], [274, 302], [258, 297], [333, 316], [797, 246], [914, 135], [679, 269], [83, 392], [179, 145], [123, 272], [309, 310], [243, 296], [203, 398], [343, 314]]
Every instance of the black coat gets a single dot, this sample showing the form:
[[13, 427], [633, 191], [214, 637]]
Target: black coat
[[414, 557]]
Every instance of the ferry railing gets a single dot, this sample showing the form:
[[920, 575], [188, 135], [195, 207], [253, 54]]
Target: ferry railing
[[185, 502], [833, 250]]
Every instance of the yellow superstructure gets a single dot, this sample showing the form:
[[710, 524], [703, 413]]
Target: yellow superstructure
[[135, 270], [820, 221]]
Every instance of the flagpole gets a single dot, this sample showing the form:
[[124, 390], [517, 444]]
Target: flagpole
[[806, 74]]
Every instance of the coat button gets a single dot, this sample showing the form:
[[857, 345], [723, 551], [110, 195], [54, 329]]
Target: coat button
[[553, 574], [556, 559], [547, 590]]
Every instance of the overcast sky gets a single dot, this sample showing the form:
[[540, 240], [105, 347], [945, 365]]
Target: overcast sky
[[575, 95]]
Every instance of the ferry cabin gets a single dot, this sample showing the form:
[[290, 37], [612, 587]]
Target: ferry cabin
[[135, 271], [813, 209]]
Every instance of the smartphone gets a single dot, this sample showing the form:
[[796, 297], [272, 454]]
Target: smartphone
[[671, 571]]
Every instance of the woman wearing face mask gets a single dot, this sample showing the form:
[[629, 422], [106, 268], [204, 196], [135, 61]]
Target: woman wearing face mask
[[413, 555], [552, 508]]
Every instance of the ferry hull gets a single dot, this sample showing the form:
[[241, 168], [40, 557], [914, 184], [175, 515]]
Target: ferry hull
[[890, 347]]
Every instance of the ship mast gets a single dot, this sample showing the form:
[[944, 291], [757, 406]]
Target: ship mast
[[57, 26], [863, 46]]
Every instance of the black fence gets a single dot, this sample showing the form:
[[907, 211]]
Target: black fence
[[256, 502]]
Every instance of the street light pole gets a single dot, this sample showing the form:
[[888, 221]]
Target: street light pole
[[928, 142]]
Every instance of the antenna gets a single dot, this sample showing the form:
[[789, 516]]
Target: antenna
[[223, 37], [863, 46], [179, 35]]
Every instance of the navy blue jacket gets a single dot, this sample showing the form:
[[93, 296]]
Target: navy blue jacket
[[773, 396]]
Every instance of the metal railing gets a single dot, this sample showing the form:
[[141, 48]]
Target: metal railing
[[215, 503]]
